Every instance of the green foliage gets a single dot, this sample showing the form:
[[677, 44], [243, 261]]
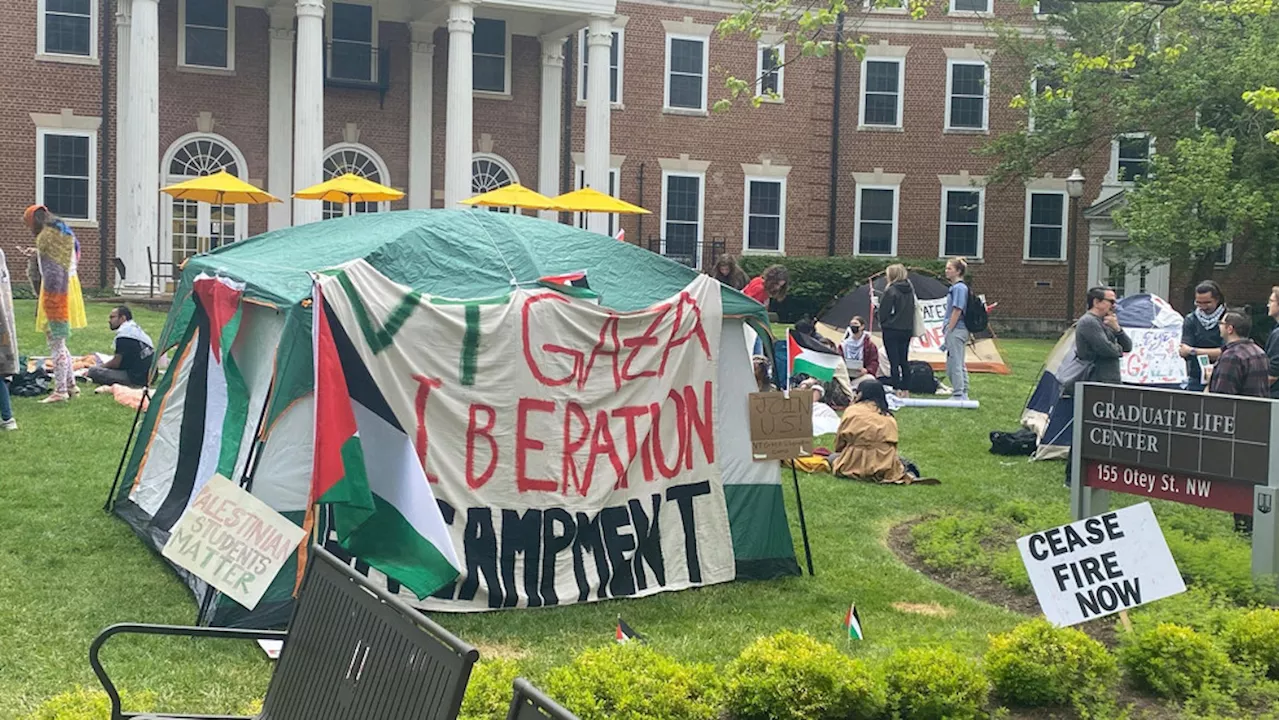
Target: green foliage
[[954, 542], [1174, 661], [1220, 563], [816, 282], [85, 704], [1037, 665], [489, 690], [630, 681], [791, 676], [1199, 608], [935, 684], [1252, 638], [984, 541], [1009, 569]]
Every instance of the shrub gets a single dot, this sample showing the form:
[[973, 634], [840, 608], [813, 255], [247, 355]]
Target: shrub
[[1174, 661], [1223, 564], [1036, 664], [1198, 608], [933, 684], [1009, 569], [489, 690], [85, 704], [1253, 638], [632, 682], [816, 282], [953, 542], [791, 676]]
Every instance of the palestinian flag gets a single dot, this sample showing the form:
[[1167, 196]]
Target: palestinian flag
[[367, 470], [625, 634], [573, 284], [853, 623], [814, 363]]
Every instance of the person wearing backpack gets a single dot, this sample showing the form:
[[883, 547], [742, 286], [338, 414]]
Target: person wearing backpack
[[956, 332]]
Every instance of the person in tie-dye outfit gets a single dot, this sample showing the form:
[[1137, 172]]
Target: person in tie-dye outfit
[[61, 305]]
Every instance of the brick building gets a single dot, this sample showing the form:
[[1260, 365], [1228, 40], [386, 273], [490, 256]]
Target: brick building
[[286, 93]]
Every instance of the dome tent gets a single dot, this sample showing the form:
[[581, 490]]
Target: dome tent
[[460, 254]]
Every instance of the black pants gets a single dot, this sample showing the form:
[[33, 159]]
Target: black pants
[[897, 343]]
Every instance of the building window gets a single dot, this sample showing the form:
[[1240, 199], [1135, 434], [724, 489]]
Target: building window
[[489, 56], [1046, 80], [980, 6], [1117, 273], [962, 211], [1222, 256], [1133, 157], [887, 5], [770, 60], [490, 172], [206, 34], [353, 31], [580, 219], [966, 96], [876, 221], [66, 165], [686, 73], [360, 161], [882, 92], [764, 215], [188, 227], [1053, 7], [1046, 220], [615, 67], [682, 216], [68, 27]]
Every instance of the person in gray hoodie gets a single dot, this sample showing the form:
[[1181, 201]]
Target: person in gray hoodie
[[1100, 340], [897, 313]]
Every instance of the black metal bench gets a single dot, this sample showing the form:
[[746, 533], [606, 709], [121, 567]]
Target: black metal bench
[[352, 651], [529, 703]]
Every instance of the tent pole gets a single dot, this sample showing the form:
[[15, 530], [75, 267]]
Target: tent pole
[[255, 452], [804, 527]]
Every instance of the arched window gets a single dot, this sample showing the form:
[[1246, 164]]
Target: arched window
[[490, 172], [189, 227], [357, 160]]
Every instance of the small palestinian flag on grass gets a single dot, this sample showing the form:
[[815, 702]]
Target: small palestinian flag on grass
[[625, 634], [853, 623]]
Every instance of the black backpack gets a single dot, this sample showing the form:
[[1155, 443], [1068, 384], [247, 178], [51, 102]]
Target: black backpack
[[975, 313], [920, 378], [1019, 442]]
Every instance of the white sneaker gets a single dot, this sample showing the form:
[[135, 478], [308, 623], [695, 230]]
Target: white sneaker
[[9, 424]]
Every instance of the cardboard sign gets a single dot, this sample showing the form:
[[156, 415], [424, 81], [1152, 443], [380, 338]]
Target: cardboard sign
[[1100, 565], [232, 540], [781, 426]]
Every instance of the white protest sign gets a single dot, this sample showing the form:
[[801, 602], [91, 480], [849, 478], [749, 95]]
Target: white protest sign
[[232, 540], [1100, 565], [1154, 359]]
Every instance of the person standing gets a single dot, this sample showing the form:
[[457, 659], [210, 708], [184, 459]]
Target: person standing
[[59, 295], [8, 346], [897, 313], [956, 335], [1273, 343], [1242, 367], [1200, 335], [728, 273], [1100, 343]]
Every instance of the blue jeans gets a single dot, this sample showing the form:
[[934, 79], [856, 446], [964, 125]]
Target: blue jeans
[[957, 374], [6, 409]]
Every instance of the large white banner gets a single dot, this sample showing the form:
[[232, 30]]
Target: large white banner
[[572, 449]]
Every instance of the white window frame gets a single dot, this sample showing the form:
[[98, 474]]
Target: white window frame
[[241, 230], [41, 132], [1026, 226], [746, 215], [506, 69], [862, 93], [1228, 246], [373, 36], [986, 95], [1114, 170], [951, 10], [942, 218], [42, 53], [781, 51], [902, 9], [580, 182], [231, 39], [620, 34], [857, 220], [666, 74], [702, 209], [368, 152]]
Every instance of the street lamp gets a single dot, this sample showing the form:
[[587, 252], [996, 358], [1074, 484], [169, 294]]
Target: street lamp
[[1075, 189]]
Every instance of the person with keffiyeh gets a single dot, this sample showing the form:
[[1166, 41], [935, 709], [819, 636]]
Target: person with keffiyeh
[[61, 305], [133, 353], [1200, 335]]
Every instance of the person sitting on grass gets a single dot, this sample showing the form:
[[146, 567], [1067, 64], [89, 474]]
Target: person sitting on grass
[[861, 356], [867, 441], [133, 351]]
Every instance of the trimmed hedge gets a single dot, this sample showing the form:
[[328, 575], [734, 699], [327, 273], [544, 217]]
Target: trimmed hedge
[[791, 676], [816, 282], [1036, 665], [935, 684], [633, 682]]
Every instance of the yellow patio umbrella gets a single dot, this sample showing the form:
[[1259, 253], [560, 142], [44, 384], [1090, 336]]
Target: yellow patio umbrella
[[513, 195], [349, 188], [220, 188], [594, 201]]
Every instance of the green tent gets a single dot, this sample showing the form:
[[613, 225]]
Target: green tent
[[256, 397]]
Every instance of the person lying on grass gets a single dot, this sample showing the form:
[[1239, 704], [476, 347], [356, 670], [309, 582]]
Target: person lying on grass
[[867, 441]]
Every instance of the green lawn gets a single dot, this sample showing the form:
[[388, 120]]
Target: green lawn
[[67, 569]]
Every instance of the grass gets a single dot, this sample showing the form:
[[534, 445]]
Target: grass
[[67, 569]]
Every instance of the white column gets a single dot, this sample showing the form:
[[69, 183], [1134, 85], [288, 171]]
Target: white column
[[280, 116], [123, 159], [142, 201], [599, 41], [457, 129], [308, 116], [421, 69], [549, 128]]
